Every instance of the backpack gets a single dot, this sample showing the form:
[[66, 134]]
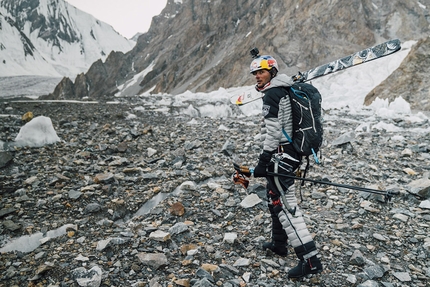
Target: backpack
[[307, 134]]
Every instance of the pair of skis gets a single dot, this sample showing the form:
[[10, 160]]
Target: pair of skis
[[364, 56]]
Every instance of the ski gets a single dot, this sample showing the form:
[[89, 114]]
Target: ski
[[246, 97], [355, 59], [363, 56]]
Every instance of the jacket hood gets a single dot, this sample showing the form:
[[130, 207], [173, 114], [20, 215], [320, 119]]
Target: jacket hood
[[281, 80]]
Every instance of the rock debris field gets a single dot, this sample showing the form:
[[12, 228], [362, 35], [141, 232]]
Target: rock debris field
[[135, 197]]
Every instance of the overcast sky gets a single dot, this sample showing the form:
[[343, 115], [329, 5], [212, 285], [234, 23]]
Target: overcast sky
[[127, 17]]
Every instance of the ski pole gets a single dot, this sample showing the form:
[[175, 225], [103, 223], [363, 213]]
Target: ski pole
[[387, 193]]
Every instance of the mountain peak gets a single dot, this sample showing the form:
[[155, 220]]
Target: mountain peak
[[63, 40]]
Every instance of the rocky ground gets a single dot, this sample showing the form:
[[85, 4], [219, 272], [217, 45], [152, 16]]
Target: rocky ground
[[86, 203]]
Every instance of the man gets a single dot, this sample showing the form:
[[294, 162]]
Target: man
[[279, 156]]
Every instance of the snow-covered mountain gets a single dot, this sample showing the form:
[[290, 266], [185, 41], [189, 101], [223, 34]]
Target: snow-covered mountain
[[53, 38]]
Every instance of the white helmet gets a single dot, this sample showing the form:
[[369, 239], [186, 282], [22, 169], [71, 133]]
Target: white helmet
[[263, 62]]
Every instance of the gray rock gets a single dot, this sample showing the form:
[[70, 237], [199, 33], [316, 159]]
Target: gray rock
[[425, 204], [74, 194], [203, 283], [6, 211], [351, 279], [357, 258], [230, 268], [178, 228], [154, 260], [10, 225], [201, 273], [5, 158], [343, 139], [369, 283], [374, 272], [250, 201], [379, 237], [92, 208], [318, 195], [421, 187], [229, 147], [402, 276], [88, 278]]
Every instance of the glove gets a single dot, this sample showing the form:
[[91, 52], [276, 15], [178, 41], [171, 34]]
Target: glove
[[263, 162], [246, 171]]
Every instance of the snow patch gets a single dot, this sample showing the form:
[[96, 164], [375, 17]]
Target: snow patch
[[422, 5], [36, 133], [131, 87]]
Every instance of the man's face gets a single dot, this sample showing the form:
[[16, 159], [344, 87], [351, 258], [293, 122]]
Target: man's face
[[262, 77]]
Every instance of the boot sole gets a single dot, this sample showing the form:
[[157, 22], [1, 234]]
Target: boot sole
[[268, 250], [311, 273]]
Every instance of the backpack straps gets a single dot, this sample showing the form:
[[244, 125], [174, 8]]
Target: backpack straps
[[287, 136], [303, 176], [284, 132]]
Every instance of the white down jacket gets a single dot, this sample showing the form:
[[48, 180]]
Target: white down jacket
[[276, 112]]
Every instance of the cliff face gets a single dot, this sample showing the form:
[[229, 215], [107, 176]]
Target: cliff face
[[204, 45], [411, 80]]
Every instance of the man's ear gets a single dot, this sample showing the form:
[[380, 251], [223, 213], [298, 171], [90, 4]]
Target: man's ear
[[273, 73]]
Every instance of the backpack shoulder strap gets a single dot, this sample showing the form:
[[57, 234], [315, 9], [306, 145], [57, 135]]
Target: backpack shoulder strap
[[288, 91]]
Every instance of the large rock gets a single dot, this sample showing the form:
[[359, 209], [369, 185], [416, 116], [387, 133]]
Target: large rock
[[5, 158], [154, 260], [420, 187]]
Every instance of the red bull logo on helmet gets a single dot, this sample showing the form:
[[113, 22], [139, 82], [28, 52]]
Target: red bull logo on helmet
[[263, 62]]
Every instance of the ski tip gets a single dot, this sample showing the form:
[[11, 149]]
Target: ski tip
[[239, 100], [246, 97], [397, 44], [393, 45]]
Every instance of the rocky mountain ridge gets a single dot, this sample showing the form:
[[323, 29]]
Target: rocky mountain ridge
[[201, 46], [410, 81]]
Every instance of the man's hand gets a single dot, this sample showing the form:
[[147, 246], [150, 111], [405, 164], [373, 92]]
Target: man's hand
[[263, 162], [246, 171]]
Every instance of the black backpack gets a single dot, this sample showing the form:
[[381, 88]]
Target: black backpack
[[307, 134]]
